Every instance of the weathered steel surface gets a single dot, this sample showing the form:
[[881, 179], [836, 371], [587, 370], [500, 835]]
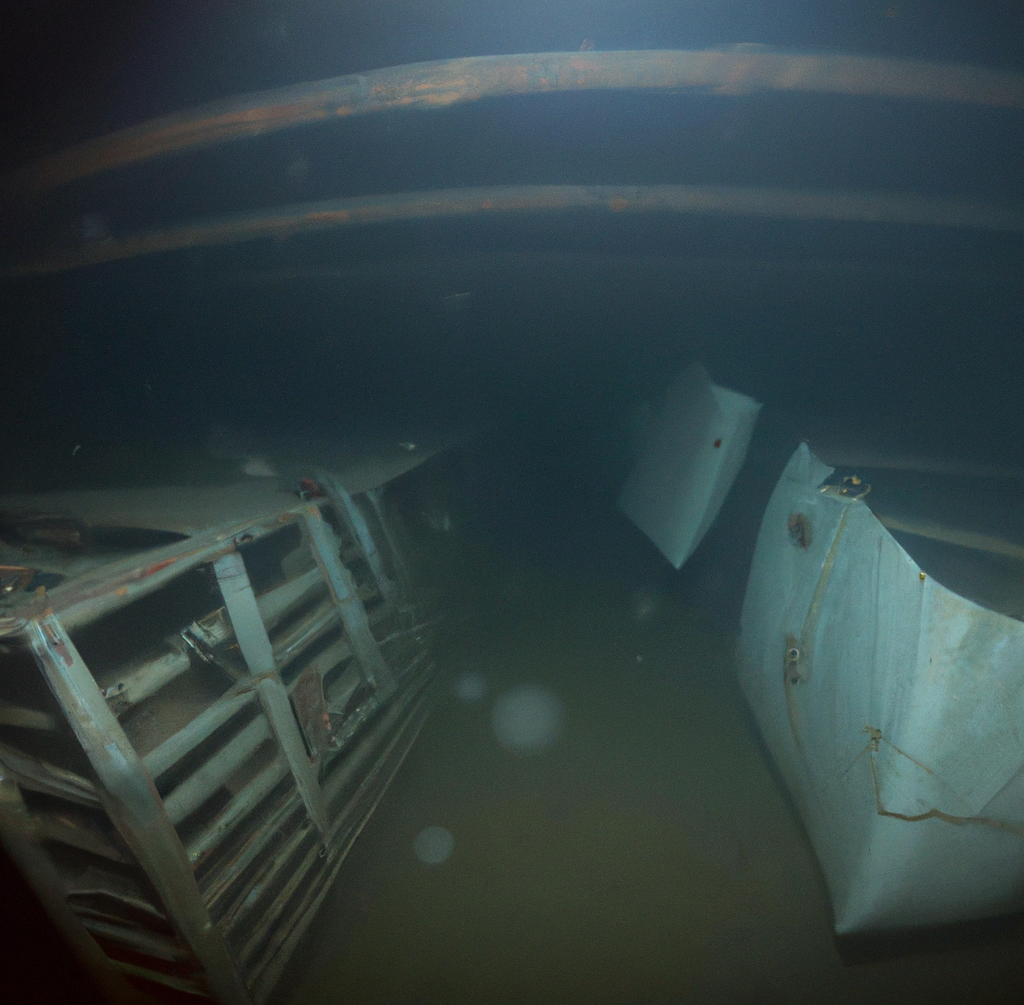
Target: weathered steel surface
[[258, 652], [265, 851], [766, 202], [355, 522], [307, 695], [736, 70], [130, 799], [353, 615]]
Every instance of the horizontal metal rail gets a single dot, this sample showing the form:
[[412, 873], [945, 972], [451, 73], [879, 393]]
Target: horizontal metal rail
[[85, 835], [299, 870], [740, 69], [203, 783], [225, 896], [209, 839], [41, 776], [193, 986], [283, 222], [176, 746], [138, 940]]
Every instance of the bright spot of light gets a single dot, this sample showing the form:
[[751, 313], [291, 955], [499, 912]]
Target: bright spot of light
[[434, 845], [527, 719], [471, 687]]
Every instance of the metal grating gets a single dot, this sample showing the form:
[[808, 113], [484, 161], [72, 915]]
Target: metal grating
[[189, 747]]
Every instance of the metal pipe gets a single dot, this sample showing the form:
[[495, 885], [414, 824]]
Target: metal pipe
[[714, 200], [742, 69]]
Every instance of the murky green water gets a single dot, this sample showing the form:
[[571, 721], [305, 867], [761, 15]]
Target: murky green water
[[648, 857]]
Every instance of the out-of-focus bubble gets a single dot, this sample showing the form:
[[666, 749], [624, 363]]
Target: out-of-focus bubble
[[471, 687], [94, 228], [434, 845], [644, 604], [527, 719]]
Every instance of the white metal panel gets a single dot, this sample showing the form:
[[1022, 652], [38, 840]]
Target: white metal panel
[[689, 463], [894, 709]]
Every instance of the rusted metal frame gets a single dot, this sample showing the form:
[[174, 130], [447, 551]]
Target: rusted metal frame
[[353, 615], [281, 864], [20, 833], [282, 719], [276, 603], [283, 222], [336, 700], [412, 713], [300, 636], [355, 758], [131, 801], [442, 83], [326, 660], [208, 840], [187, 797], [142, 681], [266, 972], [288, 649], [147, 678], [277, 912], [348, 511], [111, 587], [240, 601], [175, 747], [217, 886], [347, 731], [256, 647], [339, 691], [41, 776]]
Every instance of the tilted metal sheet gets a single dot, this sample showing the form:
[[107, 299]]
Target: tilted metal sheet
[[689, 463]]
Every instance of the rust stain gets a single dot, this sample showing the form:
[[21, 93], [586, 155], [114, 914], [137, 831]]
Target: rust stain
[[618, 204], [444, 99], [158, 566], [329, 216], [311, 710]]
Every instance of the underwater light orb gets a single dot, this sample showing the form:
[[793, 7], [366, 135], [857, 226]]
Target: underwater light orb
[[471, 687], [527, 719], [644, 604], [434, 845]]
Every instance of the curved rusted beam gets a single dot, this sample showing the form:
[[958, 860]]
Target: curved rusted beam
[[738, 70], [287, 221]]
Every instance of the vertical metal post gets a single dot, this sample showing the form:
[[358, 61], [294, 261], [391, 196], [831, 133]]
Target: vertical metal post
[[347, 509], [353, 614], [131, 800], [253, 640]]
